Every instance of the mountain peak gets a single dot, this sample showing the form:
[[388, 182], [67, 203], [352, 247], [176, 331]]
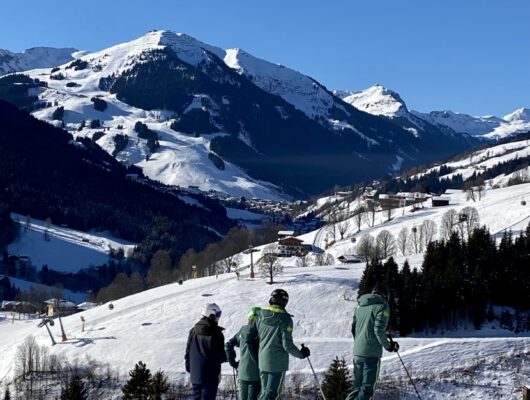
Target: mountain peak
[[521, 114], [376, 100], [35, 57]]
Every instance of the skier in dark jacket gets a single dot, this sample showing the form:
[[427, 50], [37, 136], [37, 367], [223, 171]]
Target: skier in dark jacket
[[369, 329], [205, 353], [274, 327], [247, 367]]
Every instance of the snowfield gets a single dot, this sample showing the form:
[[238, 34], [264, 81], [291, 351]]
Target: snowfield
[[65, 250], [484, 159], [378, 100], [152, 326]]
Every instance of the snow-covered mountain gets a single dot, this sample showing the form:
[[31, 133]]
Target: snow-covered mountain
[[36, 57], [225, 120], [378, 100]]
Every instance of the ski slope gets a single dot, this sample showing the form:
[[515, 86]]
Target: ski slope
[[499, 209], [152, 326], [66, 249]]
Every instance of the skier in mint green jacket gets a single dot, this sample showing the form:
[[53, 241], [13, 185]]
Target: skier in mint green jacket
[[369, 329], [247, 367], [274, 327]]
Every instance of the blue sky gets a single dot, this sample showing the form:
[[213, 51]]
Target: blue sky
[[470, 56]]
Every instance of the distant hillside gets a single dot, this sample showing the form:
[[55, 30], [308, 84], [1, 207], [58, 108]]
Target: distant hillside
[[46, 174]]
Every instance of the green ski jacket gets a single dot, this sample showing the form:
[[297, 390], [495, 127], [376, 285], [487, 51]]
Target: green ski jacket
[[274, 327], [248, 361], [369, 327]]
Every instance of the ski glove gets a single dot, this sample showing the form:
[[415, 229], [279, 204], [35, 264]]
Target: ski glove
[[305, 352], [394, 347]]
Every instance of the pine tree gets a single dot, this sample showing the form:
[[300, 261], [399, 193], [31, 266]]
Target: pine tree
[[74, 390], [138, 385], [337, 380], [159, 386], [7, 395]]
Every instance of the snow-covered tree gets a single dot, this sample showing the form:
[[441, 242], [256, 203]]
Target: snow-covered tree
[[386, 244], [270, 265], [402, 240], [448, 224]]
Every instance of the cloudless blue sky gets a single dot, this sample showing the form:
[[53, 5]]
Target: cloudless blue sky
[[469, 56]]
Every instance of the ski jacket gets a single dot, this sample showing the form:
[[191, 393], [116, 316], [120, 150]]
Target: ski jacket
[[369, 327], [248, 361], [274, 327], [205, 352]]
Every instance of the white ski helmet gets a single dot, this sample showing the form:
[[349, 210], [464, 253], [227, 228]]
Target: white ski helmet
[[211, 309]]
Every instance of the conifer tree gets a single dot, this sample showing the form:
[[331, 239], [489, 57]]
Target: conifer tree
[[337, 380], [159, 386], [139, 384], [74, 390]]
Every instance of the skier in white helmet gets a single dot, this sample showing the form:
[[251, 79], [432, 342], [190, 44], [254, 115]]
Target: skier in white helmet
[[205, 353]]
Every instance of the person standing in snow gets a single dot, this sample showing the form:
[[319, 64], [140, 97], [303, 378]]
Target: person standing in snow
[[369, 329], [274, 328], [247, 367], [205, 353]]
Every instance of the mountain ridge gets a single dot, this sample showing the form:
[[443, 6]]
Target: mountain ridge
[[260, 121]]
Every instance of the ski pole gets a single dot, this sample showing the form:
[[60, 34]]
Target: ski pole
[[235, 381], [316, 378], [407, 371], [402, 363]]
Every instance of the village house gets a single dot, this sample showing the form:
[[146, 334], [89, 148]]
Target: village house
[[291, 246], [440, 201], [349, 259]]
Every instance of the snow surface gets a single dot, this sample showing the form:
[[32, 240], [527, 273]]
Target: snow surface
[[482, 160], [378, 100], [181, 159], [489, 127], [499, 209], [67, 250], [36, 57], [26, 286], [144, 326]]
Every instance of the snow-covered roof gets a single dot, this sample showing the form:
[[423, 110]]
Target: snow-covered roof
[[61, 303], [86, 305], [285, 233]]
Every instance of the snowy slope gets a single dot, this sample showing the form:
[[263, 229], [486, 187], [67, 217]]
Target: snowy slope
[[146, 325], [36, 57], [65, 250], [489, 127], [322, 302], [499, 209], [25, 286], [378, 100], [301, 91], [182, 159], [481, 160]]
